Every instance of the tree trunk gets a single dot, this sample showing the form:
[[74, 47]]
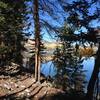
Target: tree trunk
[[94, 77], [37, 40]]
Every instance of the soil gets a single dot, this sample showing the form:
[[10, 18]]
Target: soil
[[19, 84], [16, 84]]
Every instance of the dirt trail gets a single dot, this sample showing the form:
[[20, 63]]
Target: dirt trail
[[24, 87]]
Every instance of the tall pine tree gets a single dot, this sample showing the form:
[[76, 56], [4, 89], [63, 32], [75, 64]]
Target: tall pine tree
[[70, 74], [12, 17]]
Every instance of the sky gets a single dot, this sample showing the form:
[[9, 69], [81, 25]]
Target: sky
[[48, 19]]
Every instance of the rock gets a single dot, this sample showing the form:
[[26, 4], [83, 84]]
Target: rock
[[28, 94], [16, 85], [14, 64], [27, 90], [7, 86], [22, 86]]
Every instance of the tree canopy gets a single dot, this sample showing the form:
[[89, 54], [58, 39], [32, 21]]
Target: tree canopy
[[12, 23]]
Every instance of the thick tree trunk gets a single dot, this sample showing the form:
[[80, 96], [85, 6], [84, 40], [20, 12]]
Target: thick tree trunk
[[94, 77], [37, 40]]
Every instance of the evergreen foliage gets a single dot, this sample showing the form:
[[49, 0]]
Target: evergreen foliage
[[70, 74], [12, 22]]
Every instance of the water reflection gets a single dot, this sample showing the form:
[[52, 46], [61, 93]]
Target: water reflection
[[48, 68], [88, 65]]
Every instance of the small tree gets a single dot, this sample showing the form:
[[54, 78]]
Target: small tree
[[70, 74], [37, 40]]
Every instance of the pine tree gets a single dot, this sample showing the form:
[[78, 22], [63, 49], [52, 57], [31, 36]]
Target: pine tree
[[70, 73], [37, 40], [80, 16], [13, 15]]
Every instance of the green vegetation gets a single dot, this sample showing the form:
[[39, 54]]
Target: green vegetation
[[68, 22], [12, 17], [70, 74]]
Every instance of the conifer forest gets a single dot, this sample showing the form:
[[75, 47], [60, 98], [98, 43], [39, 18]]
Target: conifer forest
[[49, 49]]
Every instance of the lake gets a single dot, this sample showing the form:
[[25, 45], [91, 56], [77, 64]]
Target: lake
[[48, 68], [88, 65]]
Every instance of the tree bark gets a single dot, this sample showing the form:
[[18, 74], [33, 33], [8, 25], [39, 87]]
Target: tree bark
[[94, 77], [37, 40]]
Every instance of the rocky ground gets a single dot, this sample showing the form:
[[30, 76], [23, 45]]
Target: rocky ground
[[25, 88], [20, 85]]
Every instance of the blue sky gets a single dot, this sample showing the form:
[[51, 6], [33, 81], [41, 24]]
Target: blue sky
[[47, 18]]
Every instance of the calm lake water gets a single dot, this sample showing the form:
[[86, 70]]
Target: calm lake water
[[88, 65]]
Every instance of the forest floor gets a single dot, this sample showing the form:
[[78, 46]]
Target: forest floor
[[21, 85]]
